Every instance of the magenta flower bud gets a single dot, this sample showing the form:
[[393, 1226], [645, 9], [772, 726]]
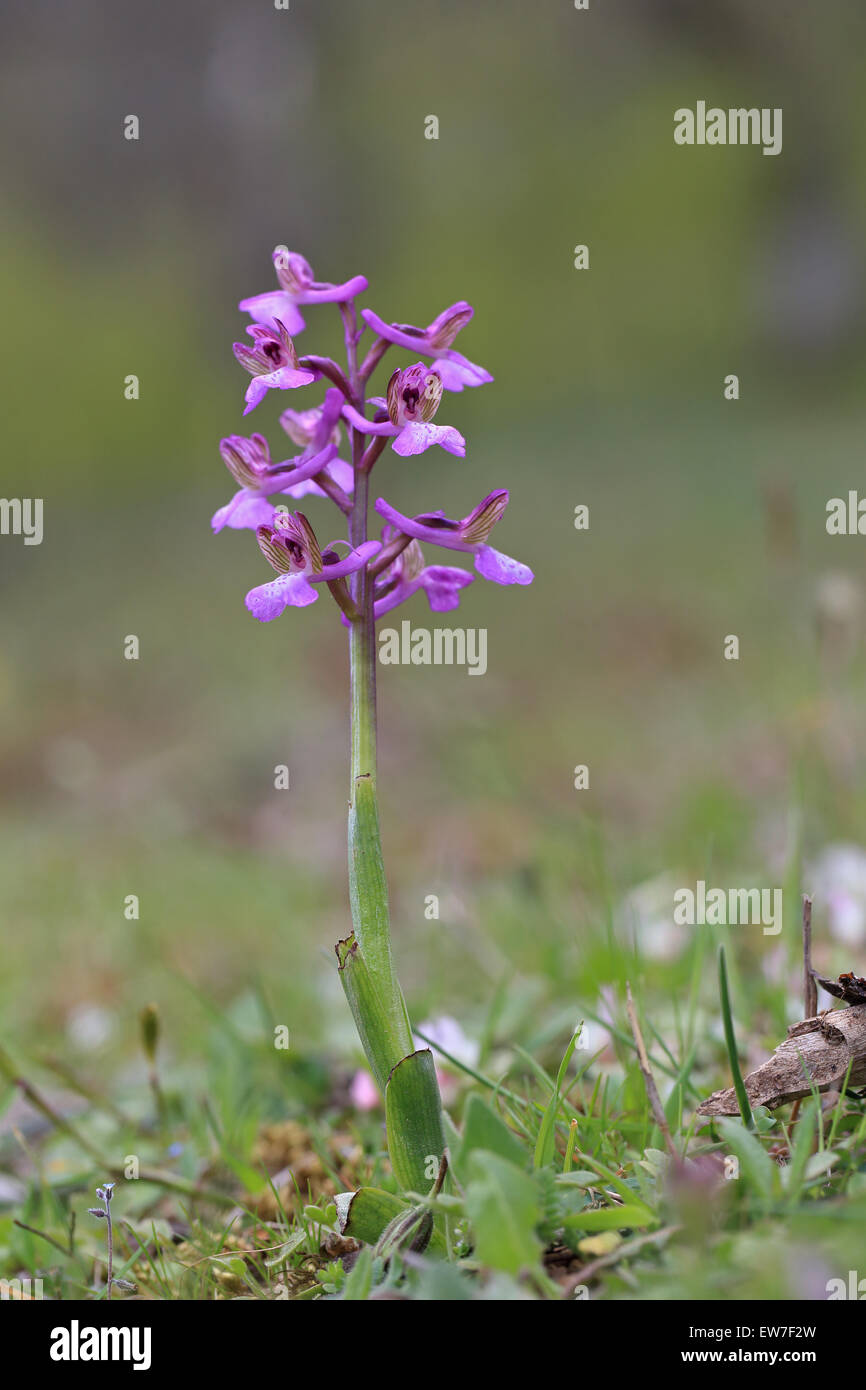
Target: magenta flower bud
[[271, 361], [455, 370], [469, 535], [297, 286]]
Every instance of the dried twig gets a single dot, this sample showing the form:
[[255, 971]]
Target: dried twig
[[648, 1078], [810, 989]]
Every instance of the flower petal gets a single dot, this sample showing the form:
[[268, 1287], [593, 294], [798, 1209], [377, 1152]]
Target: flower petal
[[418, 436], [442, 584], [457, 371], [501, 569], [283, 379], [355, 560], [255, 392], [447, 536], [384, 427], [415, 340], [299, 468], [266, 308], [343, 474], [268, 601], [333, 294], [245, 509]]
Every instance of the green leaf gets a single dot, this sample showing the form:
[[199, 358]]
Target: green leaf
[[360, 1280], [578, 1177], [731, 1043], [629, 1196], [382, 1042], [755, 1164], [365, 1214], [502, 1204], [611, 1218], [805, 1134], [483, 1129], [545, 1145], [413, 1115]]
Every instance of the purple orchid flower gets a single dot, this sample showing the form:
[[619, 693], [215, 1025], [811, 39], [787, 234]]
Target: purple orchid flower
[[297, 286], [272, 362], [408, 573], [469, 535], [414, 394], [289, 545], [313, 430], [435, 341], [249, 462]]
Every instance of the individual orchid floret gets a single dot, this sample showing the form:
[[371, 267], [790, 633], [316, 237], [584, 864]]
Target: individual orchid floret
[[249, 462], [408, 573], [289, 545], [297, 286], [414, 394], [271, 361], [314, 429], [435, 341], [469, 535]]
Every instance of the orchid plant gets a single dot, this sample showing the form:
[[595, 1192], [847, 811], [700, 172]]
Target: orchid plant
[[366, 577]]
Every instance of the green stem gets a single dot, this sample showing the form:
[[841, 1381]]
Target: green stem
[[368, 889], [413, 1106]]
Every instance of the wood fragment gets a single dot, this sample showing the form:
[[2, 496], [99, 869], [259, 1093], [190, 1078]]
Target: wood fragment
[[826, 1045]]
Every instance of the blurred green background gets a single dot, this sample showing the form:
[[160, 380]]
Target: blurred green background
[[707, 516]]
